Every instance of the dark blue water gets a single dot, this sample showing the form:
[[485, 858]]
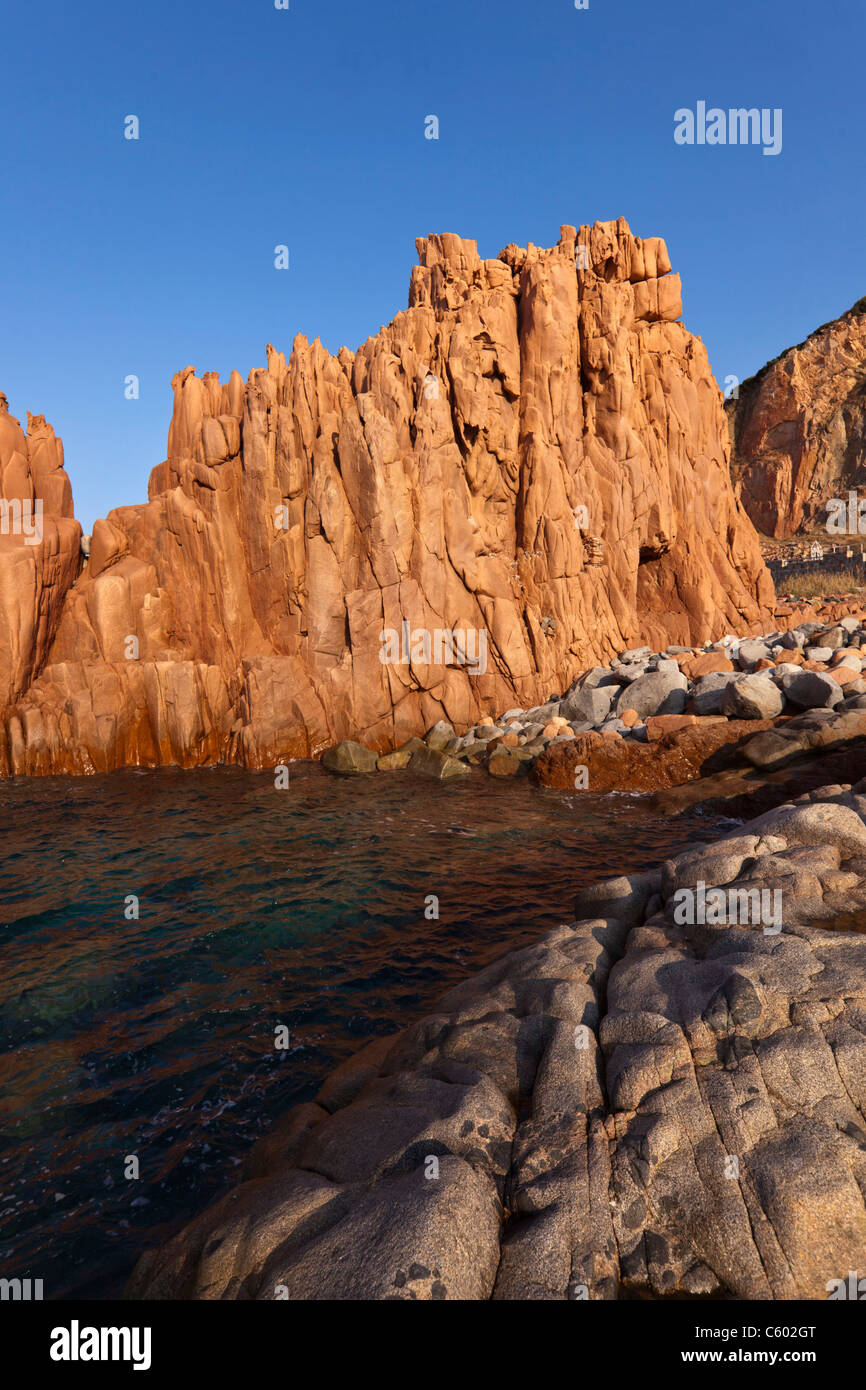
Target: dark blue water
[[305, 907]]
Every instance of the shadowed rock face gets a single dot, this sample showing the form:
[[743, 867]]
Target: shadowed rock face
[[644, 1102], [799, 428], [432, 478]]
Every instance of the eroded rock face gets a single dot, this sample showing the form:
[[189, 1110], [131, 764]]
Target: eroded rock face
[[433, 483], [658, 1099], [40, 547], [799, 428]]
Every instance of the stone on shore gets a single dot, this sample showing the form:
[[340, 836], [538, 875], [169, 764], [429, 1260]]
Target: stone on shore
[[504, 762], [704, 664], [431, 762], [658, 692], [749, 653], [394, 762], [751, 697], [439, 736], [709, 692], [774, 748], [591, 703], [348, 758], [812, 690]]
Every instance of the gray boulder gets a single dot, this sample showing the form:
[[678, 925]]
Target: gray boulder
[[349, 758], [659, 692], [751, 697], [751, 652], [439, 736], [591, 705], [542, 714], [531, 731], [774, 747], [504, 762], [393, 762], [812, 690], [707, 698], [596, 675], [627, 673], [431, 762], [412, 745]]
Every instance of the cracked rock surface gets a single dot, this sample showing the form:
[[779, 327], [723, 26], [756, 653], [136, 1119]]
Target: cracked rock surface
[[633, 1105]]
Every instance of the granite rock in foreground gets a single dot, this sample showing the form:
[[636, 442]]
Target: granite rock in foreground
[[633, 1105]]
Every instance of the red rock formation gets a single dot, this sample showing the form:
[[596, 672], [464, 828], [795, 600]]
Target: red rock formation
[[435, 477], [40, 547], [799, 428]]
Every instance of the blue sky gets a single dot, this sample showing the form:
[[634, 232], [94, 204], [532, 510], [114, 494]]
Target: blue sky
[[305, 127]]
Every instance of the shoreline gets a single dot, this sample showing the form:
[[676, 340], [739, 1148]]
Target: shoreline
[[650, 721]]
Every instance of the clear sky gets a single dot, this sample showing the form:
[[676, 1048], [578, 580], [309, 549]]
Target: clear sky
[[306, 127]]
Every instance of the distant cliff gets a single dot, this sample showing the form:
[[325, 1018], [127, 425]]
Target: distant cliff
[[799, 428], [534, 453]]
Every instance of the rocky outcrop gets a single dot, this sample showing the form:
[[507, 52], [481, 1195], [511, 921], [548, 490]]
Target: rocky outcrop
[[40, 548], [532, 457], [598, 762], [666, 1097], [799, 428]]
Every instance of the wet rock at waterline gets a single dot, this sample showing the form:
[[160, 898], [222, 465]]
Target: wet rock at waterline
[[349, 758]]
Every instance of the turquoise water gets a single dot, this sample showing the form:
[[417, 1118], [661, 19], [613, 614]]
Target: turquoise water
[[155, 1037]]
